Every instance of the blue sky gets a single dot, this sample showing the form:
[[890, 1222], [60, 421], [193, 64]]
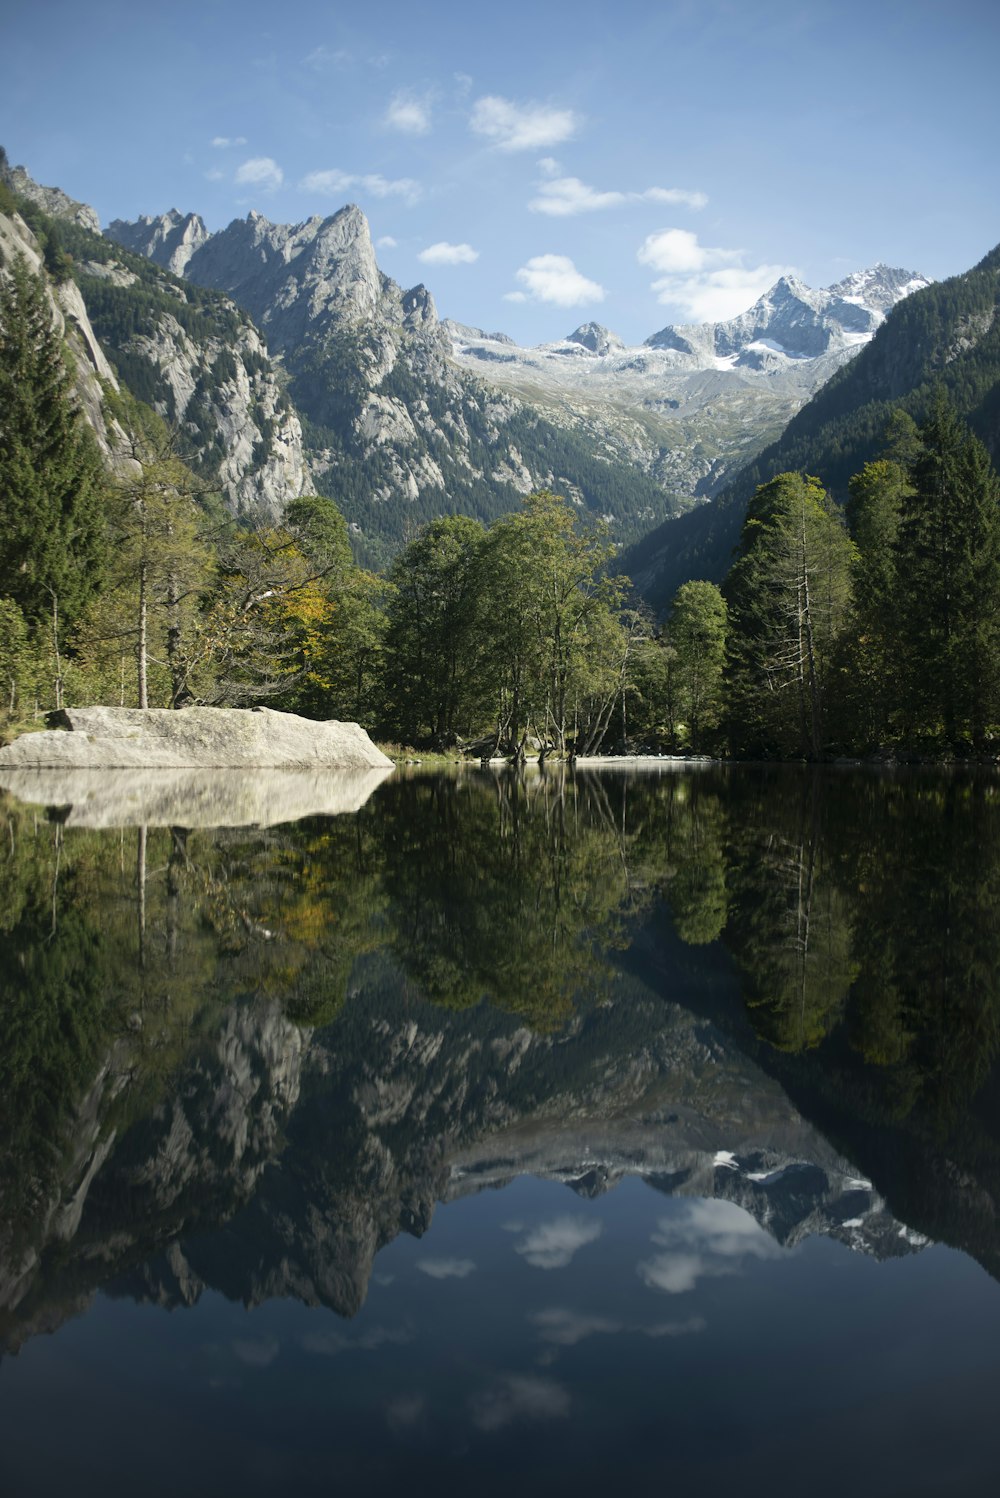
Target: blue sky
[[537, 165]]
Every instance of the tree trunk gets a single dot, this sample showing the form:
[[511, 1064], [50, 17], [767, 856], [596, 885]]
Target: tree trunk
[[140, 649]]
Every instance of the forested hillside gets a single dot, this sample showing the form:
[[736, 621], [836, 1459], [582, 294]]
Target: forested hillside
[[947, 336]]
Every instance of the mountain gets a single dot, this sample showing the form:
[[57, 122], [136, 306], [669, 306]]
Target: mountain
[[692, 405], [945, 334], [394, 432], [192, 355], [290, 363]]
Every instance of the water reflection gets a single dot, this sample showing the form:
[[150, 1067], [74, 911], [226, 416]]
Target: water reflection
[[248, 1059]]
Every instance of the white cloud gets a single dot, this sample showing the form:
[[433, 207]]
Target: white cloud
[[707, 284], [519, 1397], [328, 57], [386, 242], [444, 253], [214, 175], [549, 166], [335, 183], [522, 127], [552, 1245], [554, 278], [463, 84], [446, 1269], [260, 171], [222, 142], [562, 196], [409, 112]]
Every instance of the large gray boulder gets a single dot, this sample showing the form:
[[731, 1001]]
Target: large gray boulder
[[193, 738]]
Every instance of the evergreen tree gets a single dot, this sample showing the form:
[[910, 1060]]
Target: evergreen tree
[[788, 594], [51, 520], [878, 494], [947, 584]]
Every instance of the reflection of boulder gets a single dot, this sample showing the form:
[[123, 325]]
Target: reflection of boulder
[[192, 798], [213, 737]]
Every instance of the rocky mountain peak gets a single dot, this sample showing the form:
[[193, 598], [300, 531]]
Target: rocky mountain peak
[[291, 278], [52, 200], [793, 321], [595, 337], [419, 309], [168, 239]]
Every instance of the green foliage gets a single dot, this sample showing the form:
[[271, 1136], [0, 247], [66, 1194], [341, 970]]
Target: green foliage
[[789, 596], [435, 684], [946, 592], [945, 335], [51, 521], [696, 633]]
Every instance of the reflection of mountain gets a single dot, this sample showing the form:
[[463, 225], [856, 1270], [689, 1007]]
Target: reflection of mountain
[[282, 1163], [278, 1060]]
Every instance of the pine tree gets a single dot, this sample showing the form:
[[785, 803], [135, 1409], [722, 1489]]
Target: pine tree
[[788, 594], [947, 584], [51, 523]]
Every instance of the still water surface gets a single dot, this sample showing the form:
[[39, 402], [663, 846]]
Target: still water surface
[[634, 1129]]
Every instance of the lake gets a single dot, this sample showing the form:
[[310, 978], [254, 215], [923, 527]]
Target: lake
[[553, 1131]]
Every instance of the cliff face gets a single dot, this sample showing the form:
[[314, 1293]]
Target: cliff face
[[71, 319], [205, 368]]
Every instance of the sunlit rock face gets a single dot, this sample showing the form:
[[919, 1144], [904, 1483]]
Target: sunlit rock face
[[213, 737]]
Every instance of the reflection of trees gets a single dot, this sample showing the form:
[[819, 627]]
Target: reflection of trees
[[790, 923], [873, 902], [860, 911], [506, 888], [694, 870]]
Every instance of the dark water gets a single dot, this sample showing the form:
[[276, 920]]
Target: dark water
[[625, 1129]]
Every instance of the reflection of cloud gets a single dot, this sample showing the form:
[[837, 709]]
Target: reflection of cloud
[[256, 1354], [519, 1397], [329, 1344], [706, 1240], [686, 1328], [404, 1411], [567, 1328], [446, 1269], [551, 1245]]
